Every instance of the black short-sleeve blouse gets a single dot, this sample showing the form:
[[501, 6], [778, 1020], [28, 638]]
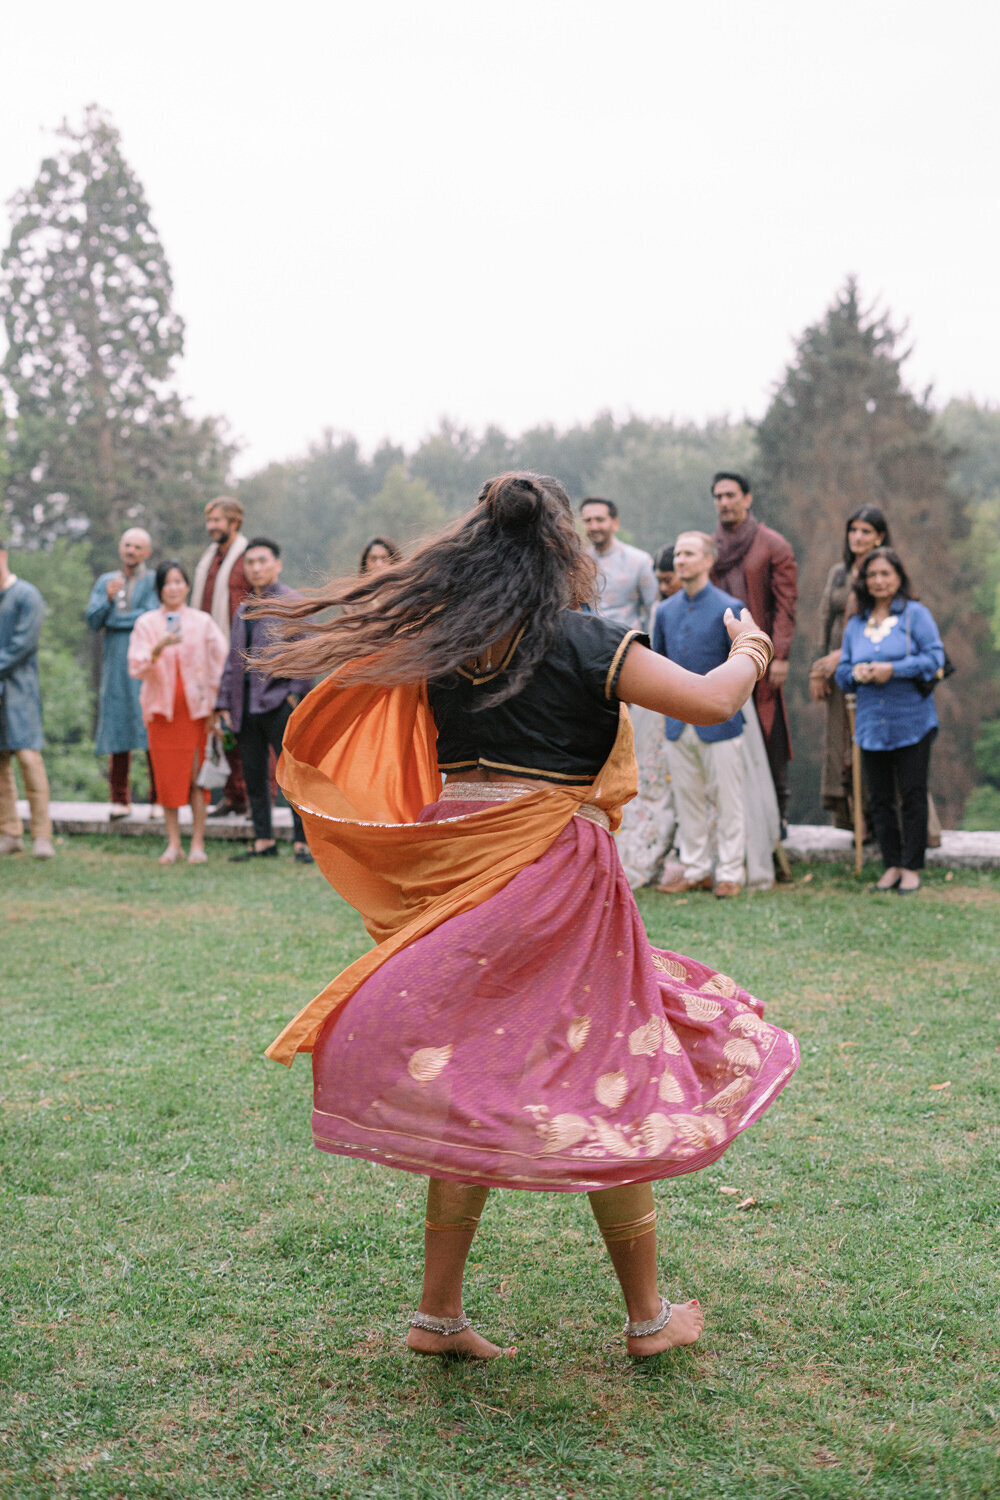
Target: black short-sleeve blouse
[[559, 727]]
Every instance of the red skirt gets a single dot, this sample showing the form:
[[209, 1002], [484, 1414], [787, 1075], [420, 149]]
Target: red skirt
[[176, 747]]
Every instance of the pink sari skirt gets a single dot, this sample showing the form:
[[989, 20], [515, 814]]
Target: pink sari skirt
[[539, 1041]]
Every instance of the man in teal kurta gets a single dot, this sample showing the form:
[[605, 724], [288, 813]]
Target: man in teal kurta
[[22, 610], [116, 602]]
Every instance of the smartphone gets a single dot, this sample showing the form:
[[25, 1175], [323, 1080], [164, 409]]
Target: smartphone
[[173, 622]]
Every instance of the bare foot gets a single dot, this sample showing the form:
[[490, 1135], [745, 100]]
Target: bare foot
[[890, 879], [465, 1345], [686, 1323]]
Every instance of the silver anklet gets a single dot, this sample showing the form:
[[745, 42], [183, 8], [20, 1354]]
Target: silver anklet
[[445, 1326], [643, 1330]]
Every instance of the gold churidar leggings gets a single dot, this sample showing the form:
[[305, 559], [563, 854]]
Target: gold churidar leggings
[[622, 1213]]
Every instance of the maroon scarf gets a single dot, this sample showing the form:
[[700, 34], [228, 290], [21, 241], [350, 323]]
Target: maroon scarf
[[733, 547]]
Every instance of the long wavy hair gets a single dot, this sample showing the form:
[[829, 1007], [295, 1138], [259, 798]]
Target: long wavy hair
[[876, 519], [515, 559]]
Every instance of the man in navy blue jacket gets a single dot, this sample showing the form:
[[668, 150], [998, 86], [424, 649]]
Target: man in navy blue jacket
[[257, 708], [705, 761]]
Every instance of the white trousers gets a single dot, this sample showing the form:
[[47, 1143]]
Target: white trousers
[[701, 774]]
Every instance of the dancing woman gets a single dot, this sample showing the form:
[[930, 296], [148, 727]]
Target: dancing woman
[[512, 1027]]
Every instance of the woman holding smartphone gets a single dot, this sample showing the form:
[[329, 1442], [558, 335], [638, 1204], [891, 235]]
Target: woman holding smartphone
[[178, 654]]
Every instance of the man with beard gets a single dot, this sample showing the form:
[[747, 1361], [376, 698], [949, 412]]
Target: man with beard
[[757, 565], [626, 588], [220, 586]]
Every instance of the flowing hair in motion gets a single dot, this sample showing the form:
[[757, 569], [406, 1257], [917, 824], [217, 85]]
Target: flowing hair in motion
[[514, 559]]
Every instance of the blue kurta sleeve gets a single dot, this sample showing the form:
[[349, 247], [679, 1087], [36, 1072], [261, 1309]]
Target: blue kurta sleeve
[[99, 606], [849, 655], [21, 639], [103, 613], [924, 658]]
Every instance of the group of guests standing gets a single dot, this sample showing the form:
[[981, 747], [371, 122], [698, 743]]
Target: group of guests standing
[[183, 675], [721, 790], [174, 671]]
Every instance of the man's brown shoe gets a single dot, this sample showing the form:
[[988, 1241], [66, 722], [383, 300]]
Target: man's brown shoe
[[680, 886], [728, 888]]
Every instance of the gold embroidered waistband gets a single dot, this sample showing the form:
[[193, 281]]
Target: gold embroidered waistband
[[505, 791]]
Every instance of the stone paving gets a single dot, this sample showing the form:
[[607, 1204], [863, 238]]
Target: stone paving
[[94, 817], [806, 842]]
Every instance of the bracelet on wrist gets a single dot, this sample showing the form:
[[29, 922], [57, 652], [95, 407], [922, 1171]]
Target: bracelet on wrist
[[757, 645]]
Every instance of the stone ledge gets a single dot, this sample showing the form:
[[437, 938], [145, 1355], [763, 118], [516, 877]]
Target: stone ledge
[[93, 817], [969, 851], [806, 842]]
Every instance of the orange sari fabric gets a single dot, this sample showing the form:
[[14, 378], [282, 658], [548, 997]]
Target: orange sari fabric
[[359, 763]]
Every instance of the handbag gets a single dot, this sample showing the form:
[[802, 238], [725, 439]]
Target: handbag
[[215, 768], [923, 685]]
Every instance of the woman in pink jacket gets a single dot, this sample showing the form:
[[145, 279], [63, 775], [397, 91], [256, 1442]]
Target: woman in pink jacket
[[178, 653]]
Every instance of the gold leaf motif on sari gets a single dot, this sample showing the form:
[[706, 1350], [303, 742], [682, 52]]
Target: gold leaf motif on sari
[[612, 1139], [699, 1130], [645, 1041], [720, 984], [564, 1131], [700, 1008], [428, 1062], [670, 1090], [577, 1032], [752, 1026], [669, 966], [728, 1098], [741, 1053], [657, 1133], [611, 1089], [671, 1043]]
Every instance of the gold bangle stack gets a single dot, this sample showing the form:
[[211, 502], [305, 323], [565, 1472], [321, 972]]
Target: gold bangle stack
[[758, 646]]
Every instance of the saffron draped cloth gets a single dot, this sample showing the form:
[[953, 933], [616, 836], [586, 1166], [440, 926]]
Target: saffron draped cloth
[[512, 1025], [359, 762]]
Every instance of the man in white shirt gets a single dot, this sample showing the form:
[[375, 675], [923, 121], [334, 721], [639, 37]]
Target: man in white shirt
[[626, 584]]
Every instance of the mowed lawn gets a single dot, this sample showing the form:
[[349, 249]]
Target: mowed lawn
[[196, 1303]]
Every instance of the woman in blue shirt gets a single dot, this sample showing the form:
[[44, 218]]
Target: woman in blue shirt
[[891, 650]]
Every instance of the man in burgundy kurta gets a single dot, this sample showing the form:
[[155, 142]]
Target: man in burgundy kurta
[[758, 565], [220, 572]]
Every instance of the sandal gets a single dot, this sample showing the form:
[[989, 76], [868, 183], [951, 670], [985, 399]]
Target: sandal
[[198, 858], [170, 857]]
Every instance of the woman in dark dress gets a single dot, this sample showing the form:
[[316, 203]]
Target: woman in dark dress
[[512, 1027], [865, 529]]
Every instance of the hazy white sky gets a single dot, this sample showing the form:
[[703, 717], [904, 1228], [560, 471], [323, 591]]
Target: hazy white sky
[[381, 214]]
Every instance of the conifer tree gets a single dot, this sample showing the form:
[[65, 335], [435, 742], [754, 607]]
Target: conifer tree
[[843, 430], [99, 441]]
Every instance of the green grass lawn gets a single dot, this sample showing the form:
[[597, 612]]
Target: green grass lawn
[[196, 1303]]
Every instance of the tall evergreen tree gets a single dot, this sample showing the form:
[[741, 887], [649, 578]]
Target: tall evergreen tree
[[843, 430], [99, 441]]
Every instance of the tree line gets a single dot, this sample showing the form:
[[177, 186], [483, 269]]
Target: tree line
[[96, 437]]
